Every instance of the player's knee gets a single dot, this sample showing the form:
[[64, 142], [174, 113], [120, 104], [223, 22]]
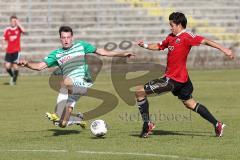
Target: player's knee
[[15, 67], [190, 104], [140, 92], [8, 67], [67, 82]]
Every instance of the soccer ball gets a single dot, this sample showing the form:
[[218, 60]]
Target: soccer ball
[[98, 128]]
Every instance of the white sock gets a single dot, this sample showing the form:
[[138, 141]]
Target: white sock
[[73, 122], [75, 119], [61, 101], [63, 95]]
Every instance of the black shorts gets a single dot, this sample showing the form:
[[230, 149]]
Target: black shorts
[[12, 57], [162, 85]]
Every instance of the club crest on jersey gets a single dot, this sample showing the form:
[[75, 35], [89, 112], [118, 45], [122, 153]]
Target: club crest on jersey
[[177, 40], [59, 55]]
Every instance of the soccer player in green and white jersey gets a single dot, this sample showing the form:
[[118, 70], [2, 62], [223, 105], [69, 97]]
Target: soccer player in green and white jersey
[[76, 78]]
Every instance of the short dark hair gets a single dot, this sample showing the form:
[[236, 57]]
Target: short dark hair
[[13, 17], [65, 29], [178, 18]]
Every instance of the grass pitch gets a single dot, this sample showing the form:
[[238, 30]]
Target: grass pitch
[[25, 134]]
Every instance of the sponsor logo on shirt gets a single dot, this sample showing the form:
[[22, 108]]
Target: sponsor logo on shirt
[[65, 59], [69, 57], [12, 38]]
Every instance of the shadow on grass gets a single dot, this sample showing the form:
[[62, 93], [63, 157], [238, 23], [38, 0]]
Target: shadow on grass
[[60, 132], [98, 137], [175, 133]]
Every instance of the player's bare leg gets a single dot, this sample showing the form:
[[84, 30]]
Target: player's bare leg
[[68, 84], [190, 104], [73, 97], [140, 93], [61, 99], [61, 105], [65, 116]]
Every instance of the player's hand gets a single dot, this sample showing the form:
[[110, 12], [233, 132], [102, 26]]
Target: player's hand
[[4, 46], [129, 54], [140, 43], [17, 22], [23, 63], [3, 49], [229, 53]]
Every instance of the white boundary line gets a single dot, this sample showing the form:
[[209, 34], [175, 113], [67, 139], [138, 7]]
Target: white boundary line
[[109, 153], [32, 150]]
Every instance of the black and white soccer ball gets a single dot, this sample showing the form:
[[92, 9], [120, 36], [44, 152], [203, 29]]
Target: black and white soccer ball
[[99, 128]]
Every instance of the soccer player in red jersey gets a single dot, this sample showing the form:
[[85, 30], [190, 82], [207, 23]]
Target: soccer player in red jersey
[[11, 44], [176, 78]]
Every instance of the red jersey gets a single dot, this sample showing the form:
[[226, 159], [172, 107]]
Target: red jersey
[[179, 47], [12, 36]]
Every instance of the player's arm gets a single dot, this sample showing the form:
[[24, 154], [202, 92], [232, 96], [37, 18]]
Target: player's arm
[[20, 26], [3, 44], [213, 44], [103, 52], [4, 40], [153, 46], [33, 65]]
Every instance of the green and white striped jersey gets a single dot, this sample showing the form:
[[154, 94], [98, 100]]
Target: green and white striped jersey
[[71, 61]]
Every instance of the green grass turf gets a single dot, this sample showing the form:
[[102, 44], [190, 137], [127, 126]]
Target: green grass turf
[[25, 134]]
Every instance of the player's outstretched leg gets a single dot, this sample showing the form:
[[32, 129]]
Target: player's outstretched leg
[[73, 119], [63, 122], [61, 104], [206, 114]]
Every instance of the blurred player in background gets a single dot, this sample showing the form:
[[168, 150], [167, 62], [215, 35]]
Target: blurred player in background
[[176, 78], [70, 58], [11, 44]]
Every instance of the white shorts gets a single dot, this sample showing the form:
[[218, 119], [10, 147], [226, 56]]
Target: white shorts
[[81, 82], [80, 87]]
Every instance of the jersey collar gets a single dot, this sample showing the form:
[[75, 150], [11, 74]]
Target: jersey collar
[[13, 28], [181, 32], [67, 48]]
